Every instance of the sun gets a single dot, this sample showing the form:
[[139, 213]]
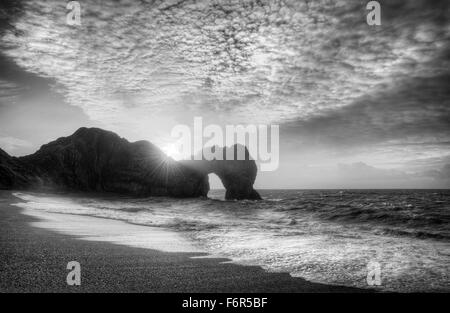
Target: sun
[[172, 151]]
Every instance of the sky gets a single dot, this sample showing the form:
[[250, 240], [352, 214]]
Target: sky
[[358, 106]]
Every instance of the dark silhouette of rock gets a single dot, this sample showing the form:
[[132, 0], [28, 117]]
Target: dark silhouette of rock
[[237, 176], [15, 173], [95, 160]]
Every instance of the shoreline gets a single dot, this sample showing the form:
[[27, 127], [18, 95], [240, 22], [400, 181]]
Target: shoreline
[[33, 258]]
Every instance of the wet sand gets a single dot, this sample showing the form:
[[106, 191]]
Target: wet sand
[[35, 250]]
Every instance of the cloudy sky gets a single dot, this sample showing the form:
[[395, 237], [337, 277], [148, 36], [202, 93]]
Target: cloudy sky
[[358, 106]]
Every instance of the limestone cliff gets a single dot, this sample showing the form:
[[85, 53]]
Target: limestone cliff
[[96, 160], [237, 176]]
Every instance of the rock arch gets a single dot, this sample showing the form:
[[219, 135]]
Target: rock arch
[[96, 160], [237, 176]]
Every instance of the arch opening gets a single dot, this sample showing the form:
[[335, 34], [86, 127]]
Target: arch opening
[[216, 187]]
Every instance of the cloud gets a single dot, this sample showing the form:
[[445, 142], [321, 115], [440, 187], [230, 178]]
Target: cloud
[[366, 175], [31, 110], [415, 110], [362, 171], [10, 10], [262, 61], [441, 174], [11, 144], [379, 94]]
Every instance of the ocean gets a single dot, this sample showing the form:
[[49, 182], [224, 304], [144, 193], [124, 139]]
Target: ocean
[[326, 236]]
